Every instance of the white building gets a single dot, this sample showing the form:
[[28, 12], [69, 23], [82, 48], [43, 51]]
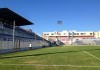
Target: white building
[[97, 34], [69, 37]]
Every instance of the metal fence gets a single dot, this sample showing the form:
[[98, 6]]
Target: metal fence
[[7, 44]]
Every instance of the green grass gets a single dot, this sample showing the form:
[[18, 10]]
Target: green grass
[[73, 57]]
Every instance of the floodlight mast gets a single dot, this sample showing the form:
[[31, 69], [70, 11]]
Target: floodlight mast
[[59, 23]]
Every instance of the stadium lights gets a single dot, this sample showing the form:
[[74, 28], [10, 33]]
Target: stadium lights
[[59, 23]]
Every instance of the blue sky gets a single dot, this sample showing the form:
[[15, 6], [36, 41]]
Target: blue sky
[[81, 15]]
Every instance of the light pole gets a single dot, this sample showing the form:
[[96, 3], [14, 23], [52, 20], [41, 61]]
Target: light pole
[[59, 23]]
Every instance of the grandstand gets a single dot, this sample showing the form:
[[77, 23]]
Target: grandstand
[[22, 37], [87, 42]]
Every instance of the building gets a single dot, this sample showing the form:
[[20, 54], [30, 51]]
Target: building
[[97, 34], [69, 37], [13, 37]]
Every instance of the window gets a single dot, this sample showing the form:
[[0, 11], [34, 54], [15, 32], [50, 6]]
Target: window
[[45, 34], [90, 33], [83, 33], [77, 33], [52, 34]]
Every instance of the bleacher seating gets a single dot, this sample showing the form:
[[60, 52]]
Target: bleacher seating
[[88, 42]]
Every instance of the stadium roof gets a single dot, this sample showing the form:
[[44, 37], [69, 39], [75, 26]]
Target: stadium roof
[[10, 16]]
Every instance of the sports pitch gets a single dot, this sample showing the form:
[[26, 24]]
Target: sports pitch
[[53, 58]]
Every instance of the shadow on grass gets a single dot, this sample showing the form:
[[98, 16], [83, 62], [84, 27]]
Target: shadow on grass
[[6, 57]]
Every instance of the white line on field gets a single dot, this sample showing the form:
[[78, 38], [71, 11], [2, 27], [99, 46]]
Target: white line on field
[[91, 55], [53, 65]]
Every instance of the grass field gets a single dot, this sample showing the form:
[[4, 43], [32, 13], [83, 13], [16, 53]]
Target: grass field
[[53, 58]]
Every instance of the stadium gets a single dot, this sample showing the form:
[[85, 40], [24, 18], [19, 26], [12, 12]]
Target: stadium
[[49, 34], [13, 37], [71, 50]]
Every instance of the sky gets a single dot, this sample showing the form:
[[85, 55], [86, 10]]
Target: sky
[[80, 15]]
